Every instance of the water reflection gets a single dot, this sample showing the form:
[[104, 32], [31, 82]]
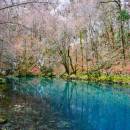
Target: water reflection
[[86, 106]]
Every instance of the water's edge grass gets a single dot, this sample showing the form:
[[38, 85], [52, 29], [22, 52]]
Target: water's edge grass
[[100, 78], [123, 80]]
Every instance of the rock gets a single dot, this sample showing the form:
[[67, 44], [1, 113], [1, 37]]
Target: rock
[[2, 81], [52, 121], [63, 124], [18, 108], [3, 119], [3, 88], [44, 127], [2, 96]]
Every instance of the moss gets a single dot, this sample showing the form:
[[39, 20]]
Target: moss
[[98, 77], [3, 88], [3, 119], [2, 81]]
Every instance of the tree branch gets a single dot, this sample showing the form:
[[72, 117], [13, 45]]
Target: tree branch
[[15, 24], [111, 1], [24, 3]]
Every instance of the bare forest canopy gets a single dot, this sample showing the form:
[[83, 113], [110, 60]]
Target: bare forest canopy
[[65, 35]]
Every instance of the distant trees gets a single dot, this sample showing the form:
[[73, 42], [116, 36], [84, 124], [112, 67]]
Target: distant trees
[[80, 36]]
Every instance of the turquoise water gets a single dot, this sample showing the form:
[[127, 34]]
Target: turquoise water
[[55, 104]]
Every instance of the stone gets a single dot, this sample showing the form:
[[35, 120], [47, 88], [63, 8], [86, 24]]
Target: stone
[[2, 81], [18, 108], [3, 119], [63, 124]]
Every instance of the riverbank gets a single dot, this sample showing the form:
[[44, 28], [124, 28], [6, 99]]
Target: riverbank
[[92, 77], [98, 77]]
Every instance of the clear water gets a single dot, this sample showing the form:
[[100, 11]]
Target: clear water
[[55, 104]]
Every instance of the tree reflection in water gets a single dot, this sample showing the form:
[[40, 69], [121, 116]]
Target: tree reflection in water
[[74, 105]]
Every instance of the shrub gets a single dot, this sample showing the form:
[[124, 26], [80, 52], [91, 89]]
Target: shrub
[[47, 71]]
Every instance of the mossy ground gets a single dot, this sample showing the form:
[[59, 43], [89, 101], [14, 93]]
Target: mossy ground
[[111, 78]]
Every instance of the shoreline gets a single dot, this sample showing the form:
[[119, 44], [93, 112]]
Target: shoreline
[[97, 78], [103, 78]]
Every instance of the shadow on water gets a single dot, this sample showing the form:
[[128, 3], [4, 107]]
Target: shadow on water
[[54, 104]]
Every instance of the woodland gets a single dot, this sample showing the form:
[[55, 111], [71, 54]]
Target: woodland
[[68, 38]]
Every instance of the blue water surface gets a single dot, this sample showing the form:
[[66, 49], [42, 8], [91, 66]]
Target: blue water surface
[[86, 106]]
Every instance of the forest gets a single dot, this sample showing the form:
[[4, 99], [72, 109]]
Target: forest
[[64, 37]]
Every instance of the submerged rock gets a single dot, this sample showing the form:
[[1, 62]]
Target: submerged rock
[[2, 81], [63, 124], [3, 88], [18, 108], [2, 96], [3, 119]]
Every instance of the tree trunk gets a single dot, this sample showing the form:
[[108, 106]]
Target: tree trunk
[[81, 46]]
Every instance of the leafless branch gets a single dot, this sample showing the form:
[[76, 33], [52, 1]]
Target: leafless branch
[[24, 3], [111, 1], [15, 24]]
